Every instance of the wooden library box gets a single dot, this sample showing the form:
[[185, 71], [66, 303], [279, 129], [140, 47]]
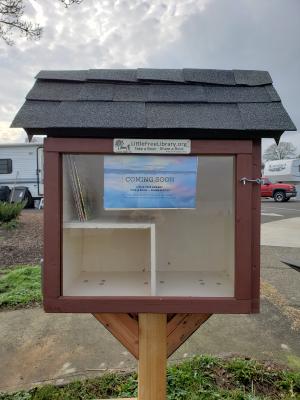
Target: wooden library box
[[152, 194]]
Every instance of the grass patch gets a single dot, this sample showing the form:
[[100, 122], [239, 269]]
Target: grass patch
[[202, 378], [293, 361], [20, 287], [10, 225]]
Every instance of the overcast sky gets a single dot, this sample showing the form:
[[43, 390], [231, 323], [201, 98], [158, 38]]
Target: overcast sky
[[222, 34]]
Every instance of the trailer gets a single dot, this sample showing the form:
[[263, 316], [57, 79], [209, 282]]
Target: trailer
[[286, 170], [22, 165]]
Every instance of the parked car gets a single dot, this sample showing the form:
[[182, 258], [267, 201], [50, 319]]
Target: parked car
[[278, 191]]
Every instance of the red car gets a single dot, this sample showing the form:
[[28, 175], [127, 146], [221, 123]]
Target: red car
[[279, 191]]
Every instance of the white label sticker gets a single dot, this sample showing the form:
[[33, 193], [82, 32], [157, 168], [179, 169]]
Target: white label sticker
[[157, 146]]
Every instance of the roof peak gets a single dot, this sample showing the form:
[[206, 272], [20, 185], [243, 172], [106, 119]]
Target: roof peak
[[170, 75]]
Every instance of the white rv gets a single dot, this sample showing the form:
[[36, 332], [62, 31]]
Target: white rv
[[22, 165], [287, 171]]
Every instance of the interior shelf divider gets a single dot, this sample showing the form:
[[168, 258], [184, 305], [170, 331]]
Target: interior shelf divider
[[96, 224]]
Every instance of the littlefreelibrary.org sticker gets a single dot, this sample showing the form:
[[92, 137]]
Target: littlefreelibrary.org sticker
[[156, 146]]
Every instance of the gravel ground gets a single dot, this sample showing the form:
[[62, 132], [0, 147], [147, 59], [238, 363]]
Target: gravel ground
[[23, 245]]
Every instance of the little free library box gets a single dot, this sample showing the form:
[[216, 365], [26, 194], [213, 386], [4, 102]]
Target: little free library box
[[152, 197]]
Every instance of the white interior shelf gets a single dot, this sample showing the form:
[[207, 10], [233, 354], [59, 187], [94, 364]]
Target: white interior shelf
[[95, 224], [186, 284]]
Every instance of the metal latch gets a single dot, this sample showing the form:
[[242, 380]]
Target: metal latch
[[245, 180]]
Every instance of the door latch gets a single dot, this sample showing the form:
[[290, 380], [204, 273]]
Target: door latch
[[245, 180]]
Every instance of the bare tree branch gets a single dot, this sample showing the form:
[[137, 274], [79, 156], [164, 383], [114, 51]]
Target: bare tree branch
[[12, 21], [68, 3]]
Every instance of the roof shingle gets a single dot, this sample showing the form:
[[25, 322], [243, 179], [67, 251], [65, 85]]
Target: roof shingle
[[264, 116], [55, 91], [212, 76], [180, 116], [252, 78], [115, 75], [79, 75], [167, 75]]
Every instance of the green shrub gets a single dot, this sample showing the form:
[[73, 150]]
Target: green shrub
[[10, 211]]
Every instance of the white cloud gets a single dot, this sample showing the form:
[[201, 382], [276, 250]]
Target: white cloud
[[8, 135]]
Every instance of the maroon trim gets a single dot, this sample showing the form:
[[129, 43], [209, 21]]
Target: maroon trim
[[246, 239], [243, 232], [52, 225], [146, 304], [221, 147], [64, 145], [91, 146], [256, 221]]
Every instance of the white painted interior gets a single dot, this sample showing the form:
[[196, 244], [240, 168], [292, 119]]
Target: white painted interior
[[195, 284], [191, 251], [72, 257], [133, 283]]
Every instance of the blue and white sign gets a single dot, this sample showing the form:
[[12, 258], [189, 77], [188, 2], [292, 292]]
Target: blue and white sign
[[149, 182]]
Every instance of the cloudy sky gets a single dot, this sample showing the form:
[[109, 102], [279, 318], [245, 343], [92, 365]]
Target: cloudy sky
[[222, 34]]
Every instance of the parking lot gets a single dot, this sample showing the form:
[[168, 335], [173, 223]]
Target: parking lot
[[272, 211]]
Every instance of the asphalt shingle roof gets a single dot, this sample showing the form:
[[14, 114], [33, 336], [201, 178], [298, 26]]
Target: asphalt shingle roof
[[154, 99]]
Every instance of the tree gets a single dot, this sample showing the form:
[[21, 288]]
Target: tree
[[283, 150], [12, 21]]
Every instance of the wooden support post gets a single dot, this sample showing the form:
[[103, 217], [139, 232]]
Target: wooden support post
[[124, 328], [152, 357], [181, 327]]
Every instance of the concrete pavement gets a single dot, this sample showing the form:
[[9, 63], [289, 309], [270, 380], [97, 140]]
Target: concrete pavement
[[283, 233]]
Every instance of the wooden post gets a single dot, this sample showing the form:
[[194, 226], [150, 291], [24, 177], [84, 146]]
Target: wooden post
[[152, 357]]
